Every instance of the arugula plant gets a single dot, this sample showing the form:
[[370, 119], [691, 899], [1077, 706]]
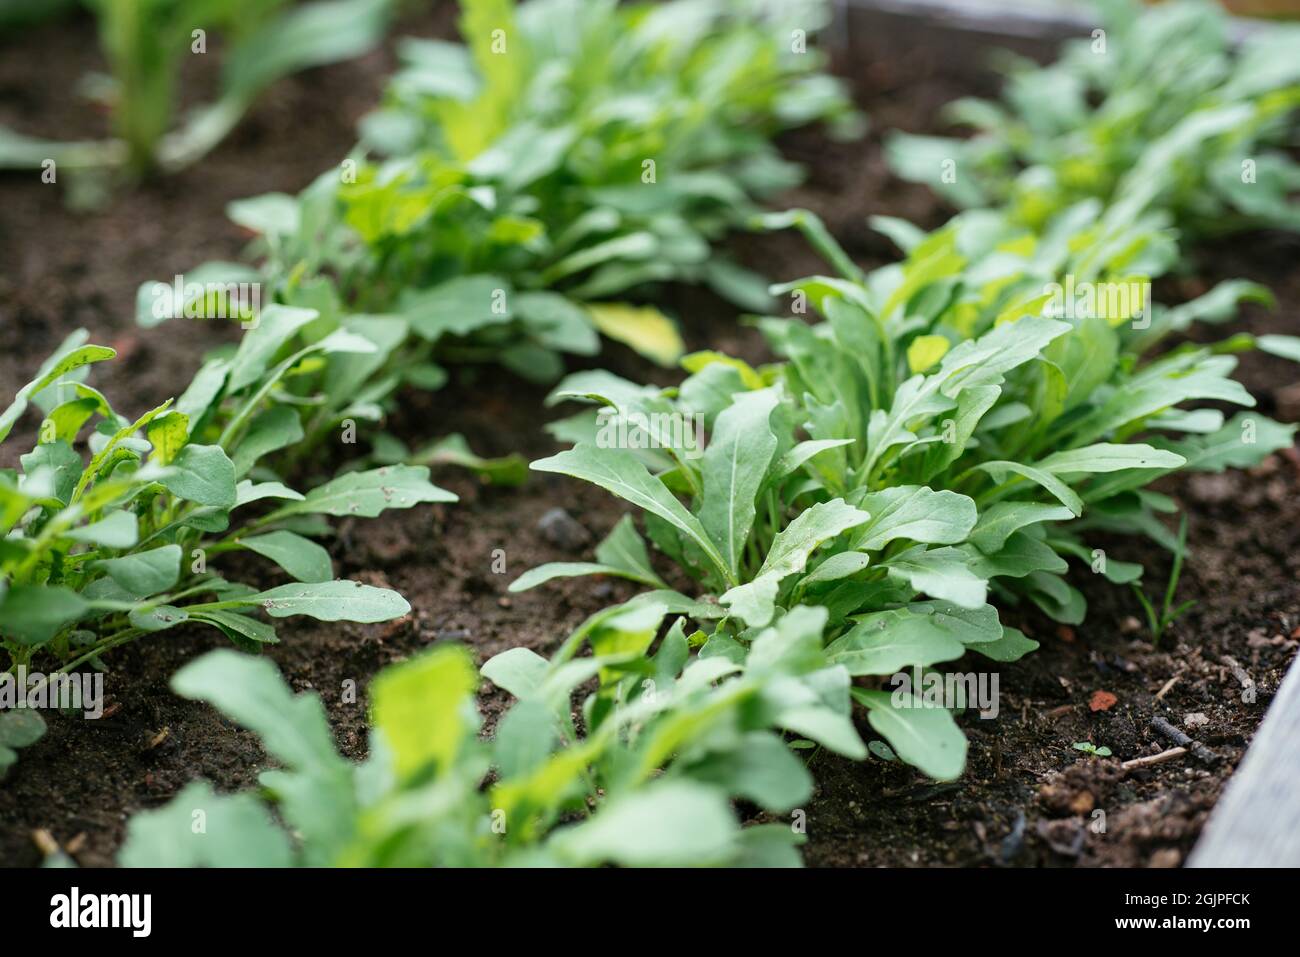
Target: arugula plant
[[946, 369], [106, 545], [145, 43], [763, 521], [938, 436], [669, 739], [1158, 111], [565, 155]]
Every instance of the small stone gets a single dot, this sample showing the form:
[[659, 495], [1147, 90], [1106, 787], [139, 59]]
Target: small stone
[[563, 531], [1195, 720], [1083, 802], [1130, 625], [1166, 857], [1213, 488]]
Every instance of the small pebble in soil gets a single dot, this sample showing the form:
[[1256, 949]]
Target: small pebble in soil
[[562, 530], [1166, 857], [1195, 720]]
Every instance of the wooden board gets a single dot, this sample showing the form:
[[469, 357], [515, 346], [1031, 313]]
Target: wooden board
[[1257, 820]]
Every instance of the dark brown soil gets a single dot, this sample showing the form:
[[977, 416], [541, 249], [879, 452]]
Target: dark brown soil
[[1028, 797]]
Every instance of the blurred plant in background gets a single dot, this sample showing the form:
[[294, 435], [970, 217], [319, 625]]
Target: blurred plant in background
[[145, 43], [1157, 111]]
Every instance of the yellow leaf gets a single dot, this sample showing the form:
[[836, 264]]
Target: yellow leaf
[[925, 351], [1124, 299], [1022, 245], [168, 434], [645, 329], [748, 375]]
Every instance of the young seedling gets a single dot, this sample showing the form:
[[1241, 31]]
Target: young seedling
[[1087, 747], [1159, 621]]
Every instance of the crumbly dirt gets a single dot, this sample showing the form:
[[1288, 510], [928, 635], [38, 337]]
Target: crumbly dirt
[[1029, 798]]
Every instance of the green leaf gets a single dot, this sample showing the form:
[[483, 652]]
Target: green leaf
[[788, 555], [760, 768], [246, 633], [1000, 469], [1105, 457], [204, 475], [33, 614], [915, 513], [276, 326], [144, 573], [276, 428], [524, 738], [925, 737], [424, 709], [672, 823], [1288, 347], [517, 671], [508, 470], [998, 521], [1242, 442], [458, 307], [618, 471], [20, 728], [168, 434], [331, 601], [734, 468], [299, 37], [248, 491], [57, 366], [888, 641], [368, 493], [118, 529], [60, 462], [237, 832], [300, 557], [624, 549], [158, 618], [941, 573], [1012, 646]]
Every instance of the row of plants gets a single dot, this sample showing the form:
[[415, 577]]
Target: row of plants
[[134, 535], [949, 432], [91, 570]]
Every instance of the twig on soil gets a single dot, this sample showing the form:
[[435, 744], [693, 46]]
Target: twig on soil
[[1243, 677], [1150, 759], [1199, 751], [1160, 695]]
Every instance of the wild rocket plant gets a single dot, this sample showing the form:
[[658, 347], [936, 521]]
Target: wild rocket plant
[[565, 156], [147, 41], [644, 778], [1155, 110], [115, 526], [955, 427]]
